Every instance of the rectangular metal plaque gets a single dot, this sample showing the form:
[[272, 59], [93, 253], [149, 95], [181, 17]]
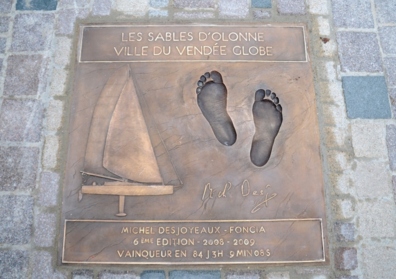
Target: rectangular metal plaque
[[185, 148]]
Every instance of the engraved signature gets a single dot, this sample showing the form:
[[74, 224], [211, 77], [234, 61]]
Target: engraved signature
[[245, 190]]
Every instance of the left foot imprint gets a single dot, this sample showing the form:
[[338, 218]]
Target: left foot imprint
[[267, 115]]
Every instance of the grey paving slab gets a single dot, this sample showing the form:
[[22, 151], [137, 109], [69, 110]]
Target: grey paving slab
[[243, 275], [193, 15], [390, 69], [295, 7], [352, 13], [378, 260], [82, 274], [66, 20], [101, 7], [117, 275], [16, 219], [18, 167], [5, 6], [261, 3], [181, 4], [42, 265], [32, 32], [392, 98], [391, 144], [21, 120], [3, 42], [388, 39], [233, 8], [159, 3], [386, 11], [189, 274], [346, 258], [359, 52], [153, 275], [49, 184], [14, 264], [158, 13], [40, 5], [4, 23], [344, 232], [23, 75], [394, 187], [260, 14], [45, 230], [366, 97]]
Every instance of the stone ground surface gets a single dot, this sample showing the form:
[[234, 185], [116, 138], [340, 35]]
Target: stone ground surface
[[353, 47]]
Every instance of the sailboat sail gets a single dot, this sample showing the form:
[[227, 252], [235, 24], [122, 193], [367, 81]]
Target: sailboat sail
[[101, 120], [128, 152]]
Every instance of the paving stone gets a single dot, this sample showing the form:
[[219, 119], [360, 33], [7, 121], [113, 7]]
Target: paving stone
[[18, 167], [16, 219], [151, 274], [348, 277], [159, 3], [388, 39], [117, 275], [181, 4], [23, 74], [82, 274], [344, 208], [346, 258], [49, 185], [233, 8], [352, 13], [54, 115], [4, 23], [261, 3], [295, 7], [67, 19], [260, 14], [62, 4], [20, 120], [313, 271], [32, 32], [194, 274], [386, 11], [394, 187], [45, 229], [366, 177], [376, 218], [366, 97], [101, 7], [368, 138], [63, 51], [42, 266], [379, 261], [323, 26], [392, 98], [278, 275], [137, 8], [14, 264], [318, 7], [158, 13], [37, 5], [58, 82], [344, 232], [243, 275], [391, 144], [5, 6], [390, 68], [50, 151], [193, 15], [359, 52], [3, 43]]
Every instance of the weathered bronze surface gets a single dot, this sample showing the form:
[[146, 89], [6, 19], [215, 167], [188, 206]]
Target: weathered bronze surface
[[193, 145]]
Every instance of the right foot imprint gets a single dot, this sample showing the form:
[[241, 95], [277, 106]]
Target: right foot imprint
[[212, 100], [267, 115]]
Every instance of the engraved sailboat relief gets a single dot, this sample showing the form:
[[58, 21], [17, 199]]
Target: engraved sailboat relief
[[119, 148]]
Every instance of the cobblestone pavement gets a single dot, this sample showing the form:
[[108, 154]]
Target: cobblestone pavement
[[353, 47]]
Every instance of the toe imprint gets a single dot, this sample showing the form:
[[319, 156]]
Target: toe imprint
[[267, 114], [212, 100]]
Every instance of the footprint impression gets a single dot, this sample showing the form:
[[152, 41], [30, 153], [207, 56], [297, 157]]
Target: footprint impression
[[212, 100], [267, 115]]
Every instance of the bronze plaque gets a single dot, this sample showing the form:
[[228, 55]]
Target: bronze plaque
[[192, 144]]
